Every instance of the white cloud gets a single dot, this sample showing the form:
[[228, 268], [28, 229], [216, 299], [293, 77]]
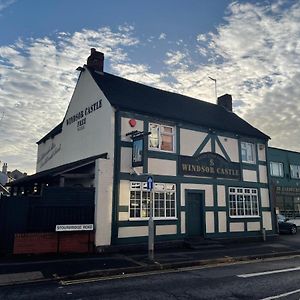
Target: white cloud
[[174, 57], [6, 3], [254, 55], [36, 82], [162, 36], [202, 37]]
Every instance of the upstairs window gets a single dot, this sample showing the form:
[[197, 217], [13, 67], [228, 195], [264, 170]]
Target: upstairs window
[[276, 169], [162, 137], [295, 171], [248, 152]]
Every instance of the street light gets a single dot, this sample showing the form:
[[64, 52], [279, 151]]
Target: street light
[[215, 80]]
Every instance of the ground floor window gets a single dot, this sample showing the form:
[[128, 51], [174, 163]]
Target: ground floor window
[[243, 202], [289, 206], [164, 201]]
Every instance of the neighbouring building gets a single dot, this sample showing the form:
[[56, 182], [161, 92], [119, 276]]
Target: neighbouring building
[[4, 178], [284, 172], [209, 166], [3, 190]]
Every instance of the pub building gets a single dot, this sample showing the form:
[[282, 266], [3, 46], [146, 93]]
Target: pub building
[[209, 166], [284, 170]]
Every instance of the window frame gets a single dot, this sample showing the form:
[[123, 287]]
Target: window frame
[[160, 133], [241, 191], [158, 188], [298, 171], [253, 150], [282, 169]]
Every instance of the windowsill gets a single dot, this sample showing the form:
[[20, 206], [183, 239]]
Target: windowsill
[[159, 150], [249, 162], [154, 219], [279, 176], [243, 217]]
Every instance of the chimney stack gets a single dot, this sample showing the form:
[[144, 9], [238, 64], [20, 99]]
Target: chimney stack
[[225, 101], [4, 168], [96, 60]]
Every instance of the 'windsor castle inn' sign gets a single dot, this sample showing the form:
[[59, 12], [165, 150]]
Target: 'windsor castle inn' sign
[[80, 117], [208, 165]]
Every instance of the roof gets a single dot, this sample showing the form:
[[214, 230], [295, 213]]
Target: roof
[[55, 131], [132, 96], [57, 170], [285, 150], [136, 97]]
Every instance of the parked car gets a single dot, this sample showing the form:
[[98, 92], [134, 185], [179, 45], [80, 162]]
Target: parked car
[[285, 226]]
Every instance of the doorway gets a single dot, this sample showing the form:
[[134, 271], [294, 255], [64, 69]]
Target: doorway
[[194, 202]]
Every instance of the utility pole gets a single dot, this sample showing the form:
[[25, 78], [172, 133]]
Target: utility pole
[[215, 80]]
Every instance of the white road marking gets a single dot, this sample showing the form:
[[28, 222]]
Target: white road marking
[[282, 295], [268, 272], [166, 271]]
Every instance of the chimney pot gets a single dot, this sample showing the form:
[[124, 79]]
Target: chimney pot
[[96, 60], [225, 101], [4, 168]]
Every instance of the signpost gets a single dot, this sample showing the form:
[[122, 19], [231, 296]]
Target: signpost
[[150, 183]]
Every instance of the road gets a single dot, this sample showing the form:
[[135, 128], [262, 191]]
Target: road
[[279, 278]]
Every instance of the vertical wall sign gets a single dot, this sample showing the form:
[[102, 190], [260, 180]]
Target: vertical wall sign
[[138, 151]]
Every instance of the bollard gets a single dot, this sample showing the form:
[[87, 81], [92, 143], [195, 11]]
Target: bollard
[[263, 232]]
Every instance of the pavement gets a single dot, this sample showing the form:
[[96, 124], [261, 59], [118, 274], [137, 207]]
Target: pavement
[[67, 268]]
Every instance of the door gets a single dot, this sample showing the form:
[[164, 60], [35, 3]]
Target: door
[[194, 214]]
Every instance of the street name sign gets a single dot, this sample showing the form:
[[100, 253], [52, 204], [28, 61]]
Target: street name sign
[[74, 227]]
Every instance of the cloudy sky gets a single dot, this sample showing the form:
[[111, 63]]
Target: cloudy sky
[[252, 48]]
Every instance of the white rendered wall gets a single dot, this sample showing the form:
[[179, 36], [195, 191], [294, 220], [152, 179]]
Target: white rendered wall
[[231, 147], [162, 166], [263, 177], [261, 149], [95, 137], [265, 199], [126, 128], [103, 201], [190, 141], [208, 190], [49, 153], [249, 175]]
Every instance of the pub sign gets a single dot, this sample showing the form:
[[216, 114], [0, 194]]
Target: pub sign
[[138, 151], [208, 164]]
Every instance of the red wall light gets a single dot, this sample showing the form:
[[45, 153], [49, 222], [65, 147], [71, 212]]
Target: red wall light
[[132, 122]]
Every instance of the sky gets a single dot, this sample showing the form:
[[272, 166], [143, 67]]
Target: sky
[[252, 49]]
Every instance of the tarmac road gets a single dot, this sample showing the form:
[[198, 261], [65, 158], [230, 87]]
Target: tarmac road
[[268, 279]]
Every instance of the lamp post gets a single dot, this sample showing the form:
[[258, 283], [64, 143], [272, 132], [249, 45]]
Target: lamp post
[[150, 183], [215, 80]]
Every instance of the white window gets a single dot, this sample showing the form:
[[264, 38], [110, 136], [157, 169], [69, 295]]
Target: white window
[[164, 201], [243, 202], [248, 152], [276, 169], [295, 171], [162, 137]]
